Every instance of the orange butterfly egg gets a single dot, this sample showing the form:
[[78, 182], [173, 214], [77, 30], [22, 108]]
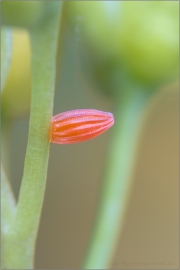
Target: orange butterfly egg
[[79, 125]]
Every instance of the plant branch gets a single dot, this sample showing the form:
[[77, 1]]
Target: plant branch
[[7, 202], [20, 242], [118, 179]]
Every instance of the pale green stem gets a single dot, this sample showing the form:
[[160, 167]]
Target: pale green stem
[[20, 241], [7, 210], [7, 203], [118, 179]]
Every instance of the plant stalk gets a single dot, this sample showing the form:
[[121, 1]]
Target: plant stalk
[[21, 238], [117, 179]]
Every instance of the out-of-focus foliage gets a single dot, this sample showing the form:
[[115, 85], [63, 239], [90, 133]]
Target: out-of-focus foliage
[[129, 39], [21, 13], [100, 23], [6, 51], [16, 92], [150, 39]]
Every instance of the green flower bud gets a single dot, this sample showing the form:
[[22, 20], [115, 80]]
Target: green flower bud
[[138, 40], [150, 39], [98, 22]]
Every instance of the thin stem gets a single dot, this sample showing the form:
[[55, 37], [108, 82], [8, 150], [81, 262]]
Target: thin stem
[[7, 211], [118, 180], [7, 203], [20, 242]]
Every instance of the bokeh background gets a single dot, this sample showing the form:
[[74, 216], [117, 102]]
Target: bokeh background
[[150, 236]]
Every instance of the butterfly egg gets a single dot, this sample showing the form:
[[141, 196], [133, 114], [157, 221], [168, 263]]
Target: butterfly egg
[[79, 125]]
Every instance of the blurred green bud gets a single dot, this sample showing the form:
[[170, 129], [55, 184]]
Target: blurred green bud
[[150, 39], [98, 21], [95, 26], [21, 13], [140, 38]]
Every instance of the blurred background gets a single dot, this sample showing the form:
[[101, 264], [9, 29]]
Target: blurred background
[[150, 236]]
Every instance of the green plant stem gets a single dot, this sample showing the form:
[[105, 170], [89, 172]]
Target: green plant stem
[[6, 125], [118, 180], [7, 203], [7, 208], [20, 241]]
